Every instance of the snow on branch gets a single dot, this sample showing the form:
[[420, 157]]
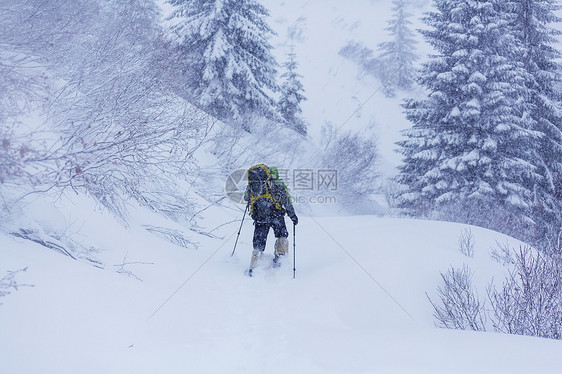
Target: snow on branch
[[173, 236], [60, 242]]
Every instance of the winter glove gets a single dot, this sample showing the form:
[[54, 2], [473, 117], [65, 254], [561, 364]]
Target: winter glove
[[295, 220]]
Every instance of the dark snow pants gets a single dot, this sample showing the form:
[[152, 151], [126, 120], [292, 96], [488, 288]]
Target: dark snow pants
[[261, 229]]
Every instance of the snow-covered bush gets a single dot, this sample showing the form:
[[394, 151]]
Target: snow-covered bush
[[391, 190], [355, 158], [22, 79], [99, 112], [12, 156]]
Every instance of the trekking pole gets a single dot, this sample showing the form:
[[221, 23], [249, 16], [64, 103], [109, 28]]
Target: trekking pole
[[294, 251], [240, 229]]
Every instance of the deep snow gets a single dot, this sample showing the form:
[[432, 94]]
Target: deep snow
[[357, 304]]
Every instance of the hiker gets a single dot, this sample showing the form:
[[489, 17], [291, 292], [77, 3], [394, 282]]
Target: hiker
[[268, 200]]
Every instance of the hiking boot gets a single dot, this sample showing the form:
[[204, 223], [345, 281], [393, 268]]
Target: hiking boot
[[276, 262], [256, 255]]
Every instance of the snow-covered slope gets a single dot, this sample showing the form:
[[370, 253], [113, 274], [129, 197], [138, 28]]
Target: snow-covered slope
[[358, 304], [336, 90]]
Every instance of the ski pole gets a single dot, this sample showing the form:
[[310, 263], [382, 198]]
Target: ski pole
[[240, 229], [294, 251]]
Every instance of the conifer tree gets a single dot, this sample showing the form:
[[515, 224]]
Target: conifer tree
[[469, 153], [292, 94], [397, 56], [531, 23], [230, 71]]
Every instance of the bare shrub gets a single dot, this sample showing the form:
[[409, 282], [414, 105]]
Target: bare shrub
[[466, 243], [8, 282], [502, 254], [460, 306], [390, 190], [529, 301], [121, 267]]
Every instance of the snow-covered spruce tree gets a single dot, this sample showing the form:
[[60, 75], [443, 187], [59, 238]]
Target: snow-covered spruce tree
[[292, 96], [531, 22], [230, 71], [397, 56], [469, 154]]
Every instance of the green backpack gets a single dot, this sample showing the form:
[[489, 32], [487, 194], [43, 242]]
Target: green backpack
[[279, 182]]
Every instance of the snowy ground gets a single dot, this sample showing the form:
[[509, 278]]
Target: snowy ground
[[357, 305]]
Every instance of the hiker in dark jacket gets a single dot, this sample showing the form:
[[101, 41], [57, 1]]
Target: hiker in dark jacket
[[268, 205]]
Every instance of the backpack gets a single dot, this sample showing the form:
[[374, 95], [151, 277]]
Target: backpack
[[261, 201], [280, 182]]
